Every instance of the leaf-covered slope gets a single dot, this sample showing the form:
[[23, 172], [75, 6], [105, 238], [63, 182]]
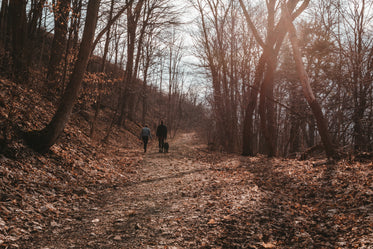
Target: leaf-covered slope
[[37, 189]]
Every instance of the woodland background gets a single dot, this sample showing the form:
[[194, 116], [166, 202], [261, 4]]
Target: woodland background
[[264, 79], [244, 93], [261, 90]]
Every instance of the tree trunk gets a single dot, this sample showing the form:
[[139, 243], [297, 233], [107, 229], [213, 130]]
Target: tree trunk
[[103, 69], [315, 107], [296, 124], [35, 15], [248, 132], [76, 23], [44, 139], [61, 14], [133, 16], [266, 108], [145, 93], [18, 33], [3, 19], [110, 23], [270, 51], [70, 45]]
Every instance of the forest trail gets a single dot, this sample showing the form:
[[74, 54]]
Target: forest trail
[[192, 198], [164, 206]]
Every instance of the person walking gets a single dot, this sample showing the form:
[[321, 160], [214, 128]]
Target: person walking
[[145, 135], [161, 135]]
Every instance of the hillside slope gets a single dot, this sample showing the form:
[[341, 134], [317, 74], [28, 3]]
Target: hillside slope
[[38, 188]]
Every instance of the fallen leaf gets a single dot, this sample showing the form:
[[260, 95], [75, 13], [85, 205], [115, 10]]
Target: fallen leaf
[[211, 222], [268, 245], [117, 237], [227, 217]]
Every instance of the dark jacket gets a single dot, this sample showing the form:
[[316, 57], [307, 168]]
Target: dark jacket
[[162, 131], [145, 132]]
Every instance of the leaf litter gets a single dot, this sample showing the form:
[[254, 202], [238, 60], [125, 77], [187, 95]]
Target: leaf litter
[[84, 195]]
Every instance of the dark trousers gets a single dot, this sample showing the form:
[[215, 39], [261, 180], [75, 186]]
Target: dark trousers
[[145, 140], [161, 143]]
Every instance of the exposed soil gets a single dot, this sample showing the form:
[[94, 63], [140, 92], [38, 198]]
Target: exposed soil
[[191, 198]]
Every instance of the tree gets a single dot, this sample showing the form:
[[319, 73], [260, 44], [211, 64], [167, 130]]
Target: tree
[[102, 69], [34, 16], [142, 17], [360, 63], [17, 24], [61, 16], [264, 76], [308, 93], [133, 17], [219, 55], [42, 140]]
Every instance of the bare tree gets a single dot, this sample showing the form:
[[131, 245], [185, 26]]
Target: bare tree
[[102, 69], [215, 53], [264, 76], [360, 50], [42, 140], [61, 14], [133, 16], [17, 26], [308, 93]]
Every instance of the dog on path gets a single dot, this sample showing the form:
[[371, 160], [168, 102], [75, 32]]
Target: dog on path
[[166, 146]]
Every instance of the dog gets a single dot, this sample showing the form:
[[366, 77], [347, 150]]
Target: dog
[[166, 146]]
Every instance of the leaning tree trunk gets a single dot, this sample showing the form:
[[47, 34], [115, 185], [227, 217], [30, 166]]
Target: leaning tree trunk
[[44, 139], [315, 107]]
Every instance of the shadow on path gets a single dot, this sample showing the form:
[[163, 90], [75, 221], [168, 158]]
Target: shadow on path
[[299, 209]]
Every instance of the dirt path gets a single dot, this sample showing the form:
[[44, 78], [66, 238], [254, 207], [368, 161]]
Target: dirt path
[[165, 206], [190, 198]]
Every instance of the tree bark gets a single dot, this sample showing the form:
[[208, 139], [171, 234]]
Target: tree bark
[[44, 139], [132, 21]]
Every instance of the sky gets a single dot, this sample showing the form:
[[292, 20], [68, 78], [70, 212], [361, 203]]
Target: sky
[[190, 62]]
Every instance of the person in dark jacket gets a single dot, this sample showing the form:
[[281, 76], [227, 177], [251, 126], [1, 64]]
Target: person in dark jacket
[[161, 135], [145, 135]]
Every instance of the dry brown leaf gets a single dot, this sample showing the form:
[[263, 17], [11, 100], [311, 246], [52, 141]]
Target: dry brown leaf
[[268, 245], [211, 222]]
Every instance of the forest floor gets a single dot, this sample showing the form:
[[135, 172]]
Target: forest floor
[[83, 194], [191, 198]]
